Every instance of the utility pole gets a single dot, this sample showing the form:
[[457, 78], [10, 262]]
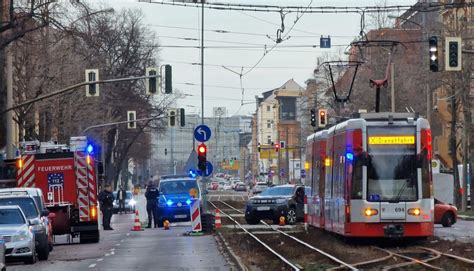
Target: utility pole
[[204, 179], [453, 143], [10, 127], [392, 84], [287, 164]]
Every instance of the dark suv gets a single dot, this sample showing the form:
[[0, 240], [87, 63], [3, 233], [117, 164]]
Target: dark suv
[[276, 201]]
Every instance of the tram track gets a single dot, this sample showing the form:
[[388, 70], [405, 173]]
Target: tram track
[[299, 241], [425, 257]]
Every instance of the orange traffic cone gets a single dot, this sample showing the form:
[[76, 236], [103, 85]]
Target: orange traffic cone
[[136, 225], [282, 221], [218, 223], [166, 225]]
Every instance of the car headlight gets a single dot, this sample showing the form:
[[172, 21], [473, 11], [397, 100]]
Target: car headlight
[[132, 202], [279, 201], [21, 236]]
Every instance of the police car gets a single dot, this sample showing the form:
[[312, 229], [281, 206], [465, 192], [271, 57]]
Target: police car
[[176, 198]]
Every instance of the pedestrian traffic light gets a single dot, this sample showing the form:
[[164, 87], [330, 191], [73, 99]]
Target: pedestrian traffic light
[[277, 147], [153, 84], [202, 152], [313, 117], [166, 151], [282, 144], [323, 118], [182, 117], [259, 148], [433, 45], [131, 117], [92, 90], [172, 117], [168, 79], [453, 54], [231, 161]]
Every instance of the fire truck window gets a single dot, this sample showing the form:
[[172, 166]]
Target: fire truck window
[[357, 178]]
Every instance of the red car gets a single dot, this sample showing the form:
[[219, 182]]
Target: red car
[[445, 214]]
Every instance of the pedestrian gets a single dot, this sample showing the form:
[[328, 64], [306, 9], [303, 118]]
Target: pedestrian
[[151, 196], [106, 200], [121, 196]]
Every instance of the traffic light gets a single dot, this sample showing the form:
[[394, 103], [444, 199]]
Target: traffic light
[[259, 148], [433, 44], [152, 84], [313, 117], [453, 54], [277, 147], [202, 151], [231, 161], [182, 117], [282, 144], [92, 90], [323, 118], [131, 117], [172, 117], [166, 151], [168, 80]]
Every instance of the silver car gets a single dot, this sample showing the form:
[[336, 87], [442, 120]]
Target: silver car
[[17, 235]]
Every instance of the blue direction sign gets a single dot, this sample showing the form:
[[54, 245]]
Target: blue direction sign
[[202, 133], [282, 172], [209, 169], [325, 42]]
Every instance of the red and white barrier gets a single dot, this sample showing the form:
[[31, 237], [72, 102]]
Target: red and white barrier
[[195, 216], [306, 213]]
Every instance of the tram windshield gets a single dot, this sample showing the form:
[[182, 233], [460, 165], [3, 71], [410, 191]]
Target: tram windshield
[[391, 167]]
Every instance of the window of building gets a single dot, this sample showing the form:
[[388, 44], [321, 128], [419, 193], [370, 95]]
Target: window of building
[[269, 140], [288, 108], [269, 124], [268, 108]]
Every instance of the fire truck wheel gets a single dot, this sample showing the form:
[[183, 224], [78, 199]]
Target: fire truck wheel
[[89, 237]]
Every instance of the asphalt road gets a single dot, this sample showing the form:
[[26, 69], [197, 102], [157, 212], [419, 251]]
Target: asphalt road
[[123, 249], [462, 231]]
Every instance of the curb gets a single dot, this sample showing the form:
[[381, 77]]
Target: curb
[[466, 217], [234, 258]]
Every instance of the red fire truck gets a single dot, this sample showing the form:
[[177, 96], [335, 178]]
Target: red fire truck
[[67, 175]]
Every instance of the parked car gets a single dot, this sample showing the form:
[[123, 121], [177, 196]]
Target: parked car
[[445, 214], [3, 266], [35, 219], [129, 202], [19, 240], [38, 196], [227, 186], [259, 187], [241, 187], [234, 182], [214, 186], [273, 202]]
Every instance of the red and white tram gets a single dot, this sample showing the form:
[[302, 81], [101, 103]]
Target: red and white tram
[[371, 177]]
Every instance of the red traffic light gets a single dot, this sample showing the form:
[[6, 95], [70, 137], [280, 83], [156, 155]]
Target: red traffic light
[[202, 149]]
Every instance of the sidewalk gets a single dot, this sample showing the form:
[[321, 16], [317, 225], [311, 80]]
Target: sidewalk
[[466, 217]]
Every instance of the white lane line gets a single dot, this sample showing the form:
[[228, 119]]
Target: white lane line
[[112, 248], [128, 234], [117, 244], [92, 265], [100, 259], [121, 241], [112, 253], [107, 255]]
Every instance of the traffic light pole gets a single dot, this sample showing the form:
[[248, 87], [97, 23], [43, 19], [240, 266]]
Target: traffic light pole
[[204, 179], [67, 89]]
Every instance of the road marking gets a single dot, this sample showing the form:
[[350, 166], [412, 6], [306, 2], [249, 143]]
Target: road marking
[[117, 244], [112, 249], [107, 255], [121, 241], [92, 265], [100, 259], [128, 234], [112, 253]]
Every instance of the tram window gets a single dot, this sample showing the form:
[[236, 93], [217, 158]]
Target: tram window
[[357, 178]]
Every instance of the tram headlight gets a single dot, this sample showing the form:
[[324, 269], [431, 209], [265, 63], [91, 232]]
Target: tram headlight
[[414, 211], [370, 212]]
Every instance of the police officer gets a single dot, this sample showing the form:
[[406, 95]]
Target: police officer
[[121, 196], [106, 200], [151, 196]]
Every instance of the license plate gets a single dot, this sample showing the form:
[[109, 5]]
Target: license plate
[[180, 216], [263, 208]]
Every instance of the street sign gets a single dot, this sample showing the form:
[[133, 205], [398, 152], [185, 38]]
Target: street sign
[[202, 133], [209, 169], [282, 172], [303, 173], [325, 42]]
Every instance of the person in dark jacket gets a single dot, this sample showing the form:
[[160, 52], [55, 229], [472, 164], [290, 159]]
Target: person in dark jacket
[[106, 200], [151, 196], [121, 196]]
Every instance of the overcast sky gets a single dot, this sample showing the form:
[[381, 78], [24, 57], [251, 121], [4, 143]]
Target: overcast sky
[[222, 87]]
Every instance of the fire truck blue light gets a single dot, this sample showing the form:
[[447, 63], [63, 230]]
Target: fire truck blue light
[[90, 148], [349, 156]]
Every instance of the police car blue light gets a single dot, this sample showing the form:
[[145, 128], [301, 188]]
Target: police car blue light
[[188, 202], [169, 202]]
